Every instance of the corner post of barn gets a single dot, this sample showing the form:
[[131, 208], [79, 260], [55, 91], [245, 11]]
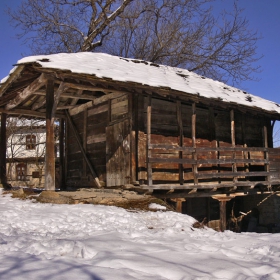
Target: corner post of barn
[[50, 137], [3, 149]]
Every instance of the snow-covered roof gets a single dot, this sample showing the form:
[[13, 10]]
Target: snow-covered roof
[[146, 73]]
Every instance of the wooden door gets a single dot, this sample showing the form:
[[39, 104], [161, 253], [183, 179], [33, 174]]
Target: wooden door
[[118, 153]]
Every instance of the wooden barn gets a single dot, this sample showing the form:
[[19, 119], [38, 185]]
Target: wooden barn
[[132, 123]]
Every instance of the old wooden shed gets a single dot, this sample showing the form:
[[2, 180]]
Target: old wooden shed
[[135, 123]]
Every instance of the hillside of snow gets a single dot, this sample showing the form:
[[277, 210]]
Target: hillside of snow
[[94, 242]]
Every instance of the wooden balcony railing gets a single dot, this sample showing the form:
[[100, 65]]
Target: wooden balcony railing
[[245, 166]]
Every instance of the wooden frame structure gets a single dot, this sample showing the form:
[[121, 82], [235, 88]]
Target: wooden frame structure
[[119, 132]]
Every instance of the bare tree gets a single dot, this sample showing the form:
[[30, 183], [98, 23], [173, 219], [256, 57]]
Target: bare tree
[[186, 33], [181, 33], [66, 25]]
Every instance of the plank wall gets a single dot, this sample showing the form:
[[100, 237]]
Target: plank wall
[[213, 129], [91, 126]]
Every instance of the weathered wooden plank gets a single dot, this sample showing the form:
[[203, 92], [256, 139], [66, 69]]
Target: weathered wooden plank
[[62, 173], [194, 155], [107, 97], [232, 174], [208, 149], [181, 140], [266, 154], [148, 151], [120, 99], [3, 150], [29, 113], [85, 142], [232, 129], [35, 85], [50, 143], [96, 180], [80, 108], [206, 186], [205, 161], [96, 138], [118, 153], [13, 76], [98, 110]]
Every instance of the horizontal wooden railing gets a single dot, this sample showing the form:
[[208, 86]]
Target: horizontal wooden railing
[[207, 149], [248, 154]]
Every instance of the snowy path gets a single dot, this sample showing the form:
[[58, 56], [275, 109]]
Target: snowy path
[[45, 241]]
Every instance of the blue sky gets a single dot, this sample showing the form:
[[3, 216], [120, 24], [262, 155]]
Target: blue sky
[[264, 17]]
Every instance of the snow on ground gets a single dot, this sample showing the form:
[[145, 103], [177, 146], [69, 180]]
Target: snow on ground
[[45, 241]]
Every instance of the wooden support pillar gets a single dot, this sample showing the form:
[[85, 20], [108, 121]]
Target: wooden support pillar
[[266, 156], [85, 142], [179, 202], [194, 154], [148, 150], [245, 153], [50, 138], [232, 129], [223, 218], [62, 182], [3, 149], [181, 140]]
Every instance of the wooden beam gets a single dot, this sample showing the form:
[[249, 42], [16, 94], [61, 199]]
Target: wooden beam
[[33, 87], [85, 141], [3, 148], [206, 161], [29, 113], [50, 142], [194, 154], [266, 154], [62, 87], [232, 129], [78, 109], [62, 181], [181, 140], [207, 149], [72, 126], [11, 79], [70, 95], [233, 174], [92, 88], [148, 150], [107, 97], [75, 100]]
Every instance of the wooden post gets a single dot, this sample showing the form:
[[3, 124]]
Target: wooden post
[[245, 153], [181, 140], [194, 154], [232, 129], [223, 219], [148, 150], [62, 155], [85, 142], [179, 202], [50, 142], [134, 133], [3, 148], [266, 153]]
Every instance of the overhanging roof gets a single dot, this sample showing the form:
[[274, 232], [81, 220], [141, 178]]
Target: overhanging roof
[[112, 69]]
